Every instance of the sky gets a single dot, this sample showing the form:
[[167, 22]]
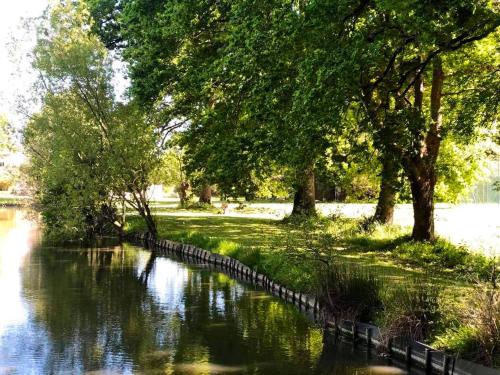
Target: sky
[[16, 75], [14, 66]]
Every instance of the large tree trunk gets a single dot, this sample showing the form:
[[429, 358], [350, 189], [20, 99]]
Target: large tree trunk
[[183, 192], [206, 194], [384, 213], [421, 169], [422, 190], [304, 200]]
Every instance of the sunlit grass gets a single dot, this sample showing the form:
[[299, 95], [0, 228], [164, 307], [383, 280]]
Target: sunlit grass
[[265, 244], [12, 201]]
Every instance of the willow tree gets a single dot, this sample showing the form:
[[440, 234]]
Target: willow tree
[[88, 152]]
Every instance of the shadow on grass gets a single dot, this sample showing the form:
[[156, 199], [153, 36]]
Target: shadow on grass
[[266, 245], [367, 243]]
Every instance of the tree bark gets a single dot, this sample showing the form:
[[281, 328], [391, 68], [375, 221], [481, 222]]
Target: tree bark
[[206, 194], [150, 221], [422, 190], [384, 213], [304, 201], [183, 192], [140, 203], [421, 169]]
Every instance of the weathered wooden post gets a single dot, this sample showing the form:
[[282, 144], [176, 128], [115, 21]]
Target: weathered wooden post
[[428, 361], [408, 356], [369, 337], [446, 364]]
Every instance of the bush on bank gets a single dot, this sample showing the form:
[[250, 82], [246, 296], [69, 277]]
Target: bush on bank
[[476, 333]]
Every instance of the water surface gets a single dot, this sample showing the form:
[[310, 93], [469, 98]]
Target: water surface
[[118, 310]]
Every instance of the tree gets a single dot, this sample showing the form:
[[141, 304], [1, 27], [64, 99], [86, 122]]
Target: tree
[[6, 144], [232, 66], [399, 49], [5, 139], [87, 152], [281, 76], [171, 171]]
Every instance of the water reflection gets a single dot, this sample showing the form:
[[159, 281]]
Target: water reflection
[[121, 310], [17, 234]]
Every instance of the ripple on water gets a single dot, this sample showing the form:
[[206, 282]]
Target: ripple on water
[[385, 370], [207, 368]]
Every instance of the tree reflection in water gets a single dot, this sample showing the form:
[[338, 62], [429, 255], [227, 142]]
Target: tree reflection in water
[[125, 310]]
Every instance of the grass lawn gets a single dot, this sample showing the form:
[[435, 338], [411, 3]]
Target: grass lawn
[[11, 201]]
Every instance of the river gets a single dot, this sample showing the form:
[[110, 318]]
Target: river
[[117, 310]]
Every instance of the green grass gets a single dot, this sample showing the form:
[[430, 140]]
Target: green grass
[[11, 201], [288, 252], [384, 250]]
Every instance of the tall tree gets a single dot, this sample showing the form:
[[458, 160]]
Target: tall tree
[[87, 151], [238, 64], [404, 53]]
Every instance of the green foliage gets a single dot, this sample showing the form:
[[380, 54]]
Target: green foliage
[[394, 240], [231, 80], [411, 311], [476, 335], [257, 86], [459, 167], [461, 340], [87, 152], [376, 237], [170, 172], [5, 135], [349, 291], [273, 187], [444, 255]]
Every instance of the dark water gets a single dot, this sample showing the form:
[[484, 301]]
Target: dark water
[[116, 310]]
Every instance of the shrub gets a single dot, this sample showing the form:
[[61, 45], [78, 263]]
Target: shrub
[[199, 206], [349, 292], [477, 337], [411, 311], [461, 340], [483, 314]]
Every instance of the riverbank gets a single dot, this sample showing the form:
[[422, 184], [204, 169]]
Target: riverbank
[[287, 252], [13, 201]]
